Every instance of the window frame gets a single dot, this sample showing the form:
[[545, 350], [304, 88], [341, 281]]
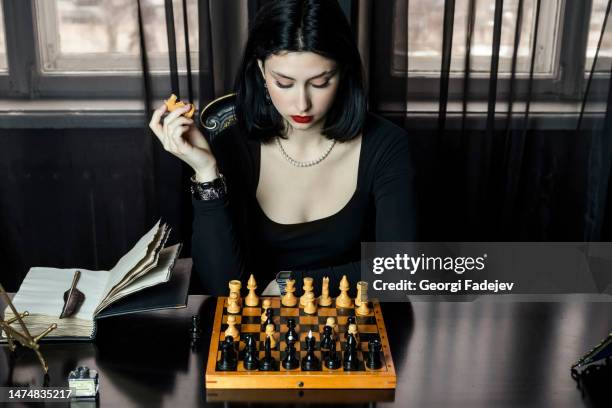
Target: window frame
[[26, 80], [566, 83]]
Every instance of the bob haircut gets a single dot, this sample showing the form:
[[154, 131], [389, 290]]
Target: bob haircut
[[318, 26]]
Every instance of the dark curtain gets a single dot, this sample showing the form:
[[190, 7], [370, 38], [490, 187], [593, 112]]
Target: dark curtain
[[496, 174], [491, 165]]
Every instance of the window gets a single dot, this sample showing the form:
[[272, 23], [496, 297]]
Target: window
[[3, 61], [598, 14], [425, 44], [102, 35]]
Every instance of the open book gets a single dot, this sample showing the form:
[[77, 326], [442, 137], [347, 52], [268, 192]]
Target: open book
[[41, 293]]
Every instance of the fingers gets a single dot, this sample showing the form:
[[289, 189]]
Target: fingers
[[175, 114], [176, 144], [155, 124]]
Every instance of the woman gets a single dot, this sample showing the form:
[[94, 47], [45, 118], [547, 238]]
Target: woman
[[307, 174]]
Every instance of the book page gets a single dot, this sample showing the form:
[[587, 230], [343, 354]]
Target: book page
[[131, 259], [158, 274], [42, 291], [145, 264]]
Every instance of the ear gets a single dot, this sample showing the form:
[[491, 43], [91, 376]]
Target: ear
[[261, 68]]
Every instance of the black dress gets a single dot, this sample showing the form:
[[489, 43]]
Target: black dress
[[233, 237]]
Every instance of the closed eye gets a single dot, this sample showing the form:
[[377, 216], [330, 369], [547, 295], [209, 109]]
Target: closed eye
[[283, 86], [323, 85]]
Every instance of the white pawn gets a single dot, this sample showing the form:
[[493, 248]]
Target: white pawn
[[232, 303], [310, 307], [266, 304], [231, 328], [270, 333]]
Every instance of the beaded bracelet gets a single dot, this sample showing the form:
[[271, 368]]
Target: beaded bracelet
[[210, 190]]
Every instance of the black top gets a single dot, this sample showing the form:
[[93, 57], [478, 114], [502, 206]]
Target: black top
[[233, 237]]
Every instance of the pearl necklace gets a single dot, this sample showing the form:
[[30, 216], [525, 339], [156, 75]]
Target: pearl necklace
[[306, 163]]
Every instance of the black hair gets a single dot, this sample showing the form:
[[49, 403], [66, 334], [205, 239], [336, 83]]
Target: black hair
[[318, 26]]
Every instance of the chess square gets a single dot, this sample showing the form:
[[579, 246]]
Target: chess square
[[290, 311], [252, 311], [250, 328], [327, 311], [349, 311]]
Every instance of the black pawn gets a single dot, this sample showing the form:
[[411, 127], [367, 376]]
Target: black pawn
[[291, 336], [269, 319], [327, 338], [229, 360], [251, 357], [350, 362], [291, 360], [349, 321], [373, 360], [332, 360], [267, 363]]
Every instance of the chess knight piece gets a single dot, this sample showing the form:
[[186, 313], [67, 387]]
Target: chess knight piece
[[251, 357], [325, 299]]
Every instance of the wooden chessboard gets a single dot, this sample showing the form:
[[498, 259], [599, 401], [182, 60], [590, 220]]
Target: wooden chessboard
[[248, 320]]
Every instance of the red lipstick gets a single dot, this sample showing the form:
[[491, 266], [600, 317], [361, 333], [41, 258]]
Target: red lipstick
[[302, 119]]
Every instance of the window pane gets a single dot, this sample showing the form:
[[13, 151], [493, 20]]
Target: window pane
[[425, 32], [102, 35], [598, 14], [3, 61]]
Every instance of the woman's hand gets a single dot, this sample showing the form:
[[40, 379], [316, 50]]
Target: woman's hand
[[182, 138]]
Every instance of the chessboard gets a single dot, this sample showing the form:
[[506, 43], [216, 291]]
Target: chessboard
[[249, 323]]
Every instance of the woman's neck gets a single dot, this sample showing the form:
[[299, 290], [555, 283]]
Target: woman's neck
[[306, 141]]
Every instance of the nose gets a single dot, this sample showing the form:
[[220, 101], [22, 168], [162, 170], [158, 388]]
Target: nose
[[303, 102]]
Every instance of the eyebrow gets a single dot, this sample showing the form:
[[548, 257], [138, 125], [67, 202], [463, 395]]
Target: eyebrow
[[333, 71]]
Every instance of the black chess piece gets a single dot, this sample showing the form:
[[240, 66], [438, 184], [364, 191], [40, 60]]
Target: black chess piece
[[251, 357], [310, 362], [327, 338], [268, 363], [350, 362], [350, 320], [373, 360], [269, 319], [229, 360], [332, 359], [291, 360], [291, 336]]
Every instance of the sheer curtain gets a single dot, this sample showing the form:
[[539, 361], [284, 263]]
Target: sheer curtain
[[507, 103]]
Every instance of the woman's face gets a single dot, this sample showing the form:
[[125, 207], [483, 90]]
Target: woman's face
[[302, 86]]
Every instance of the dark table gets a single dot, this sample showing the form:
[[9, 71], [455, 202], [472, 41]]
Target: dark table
[[502, 354]]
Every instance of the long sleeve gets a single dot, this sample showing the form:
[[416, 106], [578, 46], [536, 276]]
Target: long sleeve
[[216, 251], [219, 238], [394, 192]]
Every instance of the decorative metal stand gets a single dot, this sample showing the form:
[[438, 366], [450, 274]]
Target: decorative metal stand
[[24, 337]]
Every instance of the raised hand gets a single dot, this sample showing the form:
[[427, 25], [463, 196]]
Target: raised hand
[[182, 138]]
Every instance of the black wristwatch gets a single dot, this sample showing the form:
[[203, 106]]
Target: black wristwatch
[[210, 190]]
